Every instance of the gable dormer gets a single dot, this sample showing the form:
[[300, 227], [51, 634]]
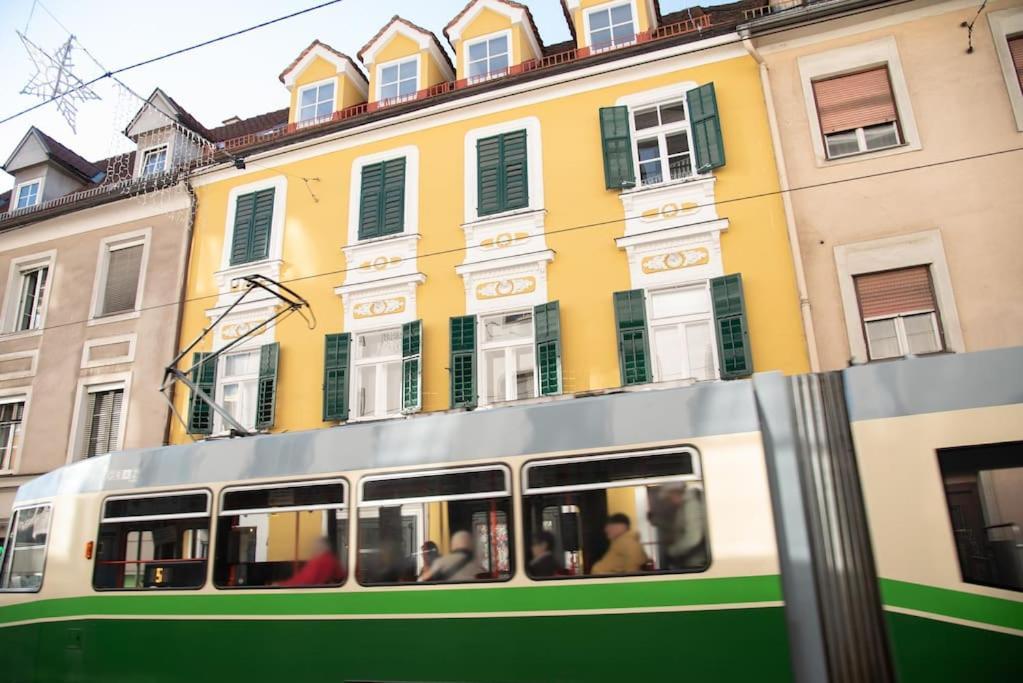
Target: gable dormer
[[166, 136], [403, 61], [491, 37], [322, 81], [44, 170], [600, 25]]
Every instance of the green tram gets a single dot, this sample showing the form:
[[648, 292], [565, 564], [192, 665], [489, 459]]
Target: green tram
[[853, 526]]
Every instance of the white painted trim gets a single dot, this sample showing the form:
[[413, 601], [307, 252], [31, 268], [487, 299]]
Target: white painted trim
[[880, 52], [91, 384], [513, 58], [623, 72], [378, 85], [309, 86], [395, 27], [33, 133], [90, 344], [411, 154], [344, 68], [923, 248], [107, 245], [16, 395], [954, 620], [20, 374], [607, 6], [41, 180], [280, 185], [10, 302], [514, 14], [140, 158], [534, 166], [1004, 23], [355, 364]]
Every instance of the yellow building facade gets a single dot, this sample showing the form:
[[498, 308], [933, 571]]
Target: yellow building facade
[[630, 179]]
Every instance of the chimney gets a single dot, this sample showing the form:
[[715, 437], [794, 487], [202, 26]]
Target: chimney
[[231, 119]]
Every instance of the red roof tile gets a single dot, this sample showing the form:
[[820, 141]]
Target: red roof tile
[[313, 44], [68, 158], [414, 27]]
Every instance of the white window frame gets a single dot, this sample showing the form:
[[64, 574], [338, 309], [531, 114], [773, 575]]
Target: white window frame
[[379, 80], [607, 7], [483, 346], [247, 421], [333, 80], [1005, 23], [661, 132], [16, 395], [923, 248], [16, 195], [861, 141], [380, 378], [507, 35], [681, 322], [149, 151], [534, 167], [280, 185], [12, 300], [900, 331], [411, 154], [106, 246], [503, 492], [848, 60], [91, 385]]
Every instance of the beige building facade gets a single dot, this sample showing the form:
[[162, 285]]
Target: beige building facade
[[900, 146]]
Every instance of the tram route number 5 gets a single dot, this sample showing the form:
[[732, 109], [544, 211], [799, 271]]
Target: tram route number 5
[[158, 575]]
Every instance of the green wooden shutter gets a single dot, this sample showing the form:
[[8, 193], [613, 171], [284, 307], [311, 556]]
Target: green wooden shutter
[[706, 125], [463, 361], [732, 328], [547, 323], [633, 348], [619, 173], [253, 218], [502, 173], [382, 201], [266, 392], [411, 366], [337, 352], [200, 415]]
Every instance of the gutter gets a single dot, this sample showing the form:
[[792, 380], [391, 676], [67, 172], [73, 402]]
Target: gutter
[[786, 200]]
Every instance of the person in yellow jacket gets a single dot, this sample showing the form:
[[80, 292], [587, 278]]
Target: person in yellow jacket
[[625, 554]]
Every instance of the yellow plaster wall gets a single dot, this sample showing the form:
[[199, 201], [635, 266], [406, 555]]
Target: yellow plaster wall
[[588, 266], [485, 23], [398, 47], [318, 70], [350, 94]]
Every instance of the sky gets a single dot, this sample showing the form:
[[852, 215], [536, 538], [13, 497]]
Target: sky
[[237, 77]]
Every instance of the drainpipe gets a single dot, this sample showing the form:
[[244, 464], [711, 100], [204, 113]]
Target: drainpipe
[[786, 200], [186, 253]]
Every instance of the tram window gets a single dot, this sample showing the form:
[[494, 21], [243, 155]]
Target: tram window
[[25, 550], [449, 526], [153, 542], [287, 535], [627, 513], [984, 493]]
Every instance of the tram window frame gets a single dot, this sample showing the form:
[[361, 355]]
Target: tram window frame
[[223, 512], [103, 519], [528, 493], [10, 551], [505, 492]]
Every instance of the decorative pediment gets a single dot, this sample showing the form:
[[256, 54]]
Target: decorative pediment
[[323, 58], [482, 17], [416, 40]]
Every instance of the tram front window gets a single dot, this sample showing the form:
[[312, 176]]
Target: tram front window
[[153, 542], [291, 536], [615, 515], [448, 526], [25, 551]]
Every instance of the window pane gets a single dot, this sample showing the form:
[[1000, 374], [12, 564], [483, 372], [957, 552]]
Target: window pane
[[325, 92], [406, 88], [673, 113], [621, 14], [524, 372], [499, 63], [881, 136], [678, 143], [573, 473], [441, 484], [681, 301], [498, 45], [882, 339], [921, 333], [839, 144], [508, 327], [478, 51], [285, 496], [25, 556], [648, 149], [151, 554], [478, 69], [379, 344], [189, 503], [667, 342], [122, 280], [699, 346], [494, 367], [623, 33], [650, 172], [601, 38], [393, 397], [308, 96], [241, 364], [366, 390], [680, 167], [324, 109], [389, 91], [389, 74], [407, 69], [600, 19], [645, 119]]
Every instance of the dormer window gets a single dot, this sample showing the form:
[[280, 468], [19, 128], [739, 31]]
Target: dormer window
[[316, 101], [611, 26], [399, 81], [154, 161], [28, 194], [488, 58]]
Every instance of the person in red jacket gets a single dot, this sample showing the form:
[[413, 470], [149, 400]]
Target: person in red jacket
[[322, 569]]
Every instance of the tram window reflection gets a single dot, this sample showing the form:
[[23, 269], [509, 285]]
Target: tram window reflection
[[615, 515], [287, 535], [25, 550], [153, 542], [448, 526]]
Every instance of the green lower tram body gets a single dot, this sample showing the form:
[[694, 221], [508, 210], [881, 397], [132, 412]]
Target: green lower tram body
[[287, 637]]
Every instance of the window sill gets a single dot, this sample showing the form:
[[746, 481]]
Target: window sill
[[373, 418], [478, 221], [113, 318], [375, 241], [908, 356], [825, 162], [639, 190], [21, 334]]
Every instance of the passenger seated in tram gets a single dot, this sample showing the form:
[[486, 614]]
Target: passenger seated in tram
[[625, 554], [458, 565], [429, 552], [543, 562], [678, 513], [322, 569]]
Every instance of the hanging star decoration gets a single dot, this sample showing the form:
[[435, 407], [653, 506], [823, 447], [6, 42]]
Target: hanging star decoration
[[55, 80]]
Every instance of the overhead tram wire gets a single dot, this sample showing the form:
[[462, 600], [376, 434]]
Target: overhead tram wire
[[234, 34], [598, 224]]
